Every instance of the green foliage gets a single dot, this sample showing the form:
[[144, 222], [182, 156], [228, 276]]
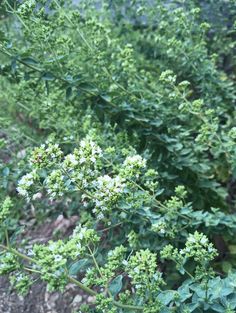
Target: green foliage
[[123, 114], [181, 115], [5, 209]]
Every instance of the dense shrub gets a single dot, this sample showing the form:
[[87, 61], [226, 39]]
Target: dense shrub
[[122, 112]]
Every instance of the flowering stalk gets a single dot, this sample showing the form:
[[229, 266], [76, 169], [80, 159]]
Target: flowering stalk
[[71, 279]]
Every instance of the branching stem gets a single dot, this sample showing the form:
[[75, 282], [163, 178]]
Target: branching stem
[[70, 279]]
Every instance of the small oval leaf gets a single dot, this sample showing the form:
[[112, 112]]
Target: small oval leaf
[[115, 285]]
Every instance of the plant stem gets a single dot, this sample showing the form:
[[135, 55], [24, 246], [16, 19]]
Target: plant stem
[[19, 254], [82, 286], [70, 279], [98, 269], [31, 270], [94, 261], [7, 237], [14, 13]]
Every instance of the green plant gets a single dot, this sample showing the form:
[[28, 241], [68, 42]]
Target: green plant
[[126, 200], [126, 91], [126, 118]]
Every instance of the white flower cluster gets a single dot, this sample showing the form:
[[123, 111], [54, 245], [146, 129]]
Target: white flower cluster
[[135, 161], [25, 183], [53, 150], [81, 237], [80, 232], [26, 7], [86, 156], [199, 247], [82, 163], [133, 165], [80, 171], [55, 183], [89, 151], [46, 155], [108, 191], [159, 227], [70, 162]]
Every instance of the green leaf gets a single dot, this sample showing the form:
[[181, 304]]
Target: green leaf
[[2, 36], [13, 65], [87, 87], [2, 143], [184, 293], [167, 296], [115, 285], [78, 266], [68, 92], [48, 76], [47, 87], [107, 98], [6, 171], [29, 61], [218, 308]]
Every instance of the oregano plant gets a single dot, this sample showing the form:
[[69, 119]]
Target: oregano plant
[[121, 113]]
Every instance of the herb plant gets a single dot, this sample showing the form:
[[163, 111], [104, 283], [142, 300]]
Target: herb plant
[[123, 113]]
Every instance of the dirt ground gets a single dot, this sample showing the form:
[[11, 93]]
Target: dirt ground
[[40, 301]]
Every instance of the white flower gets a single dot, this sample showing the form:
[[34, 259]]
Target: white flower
[[71, 158], [24, 183], [100, 216], [99, 150], [156, 276], [22, 191], [85, 183], [107, 192], [30, 252], [98, 203], [57, 258], [83, 143], [52, 247], [135, 161], [84, 280], [93, 159], [125, 262], [204, 240], [81, 235], [191, 239], [37, 195], [82, 160]]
